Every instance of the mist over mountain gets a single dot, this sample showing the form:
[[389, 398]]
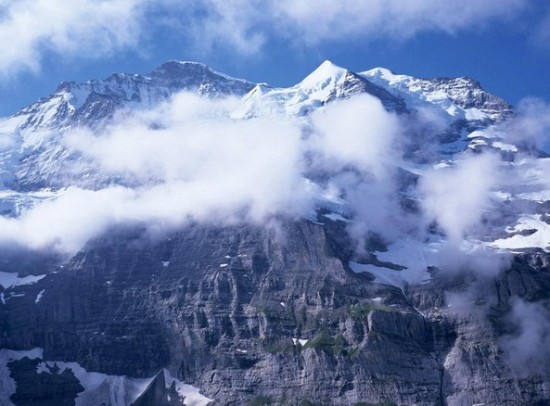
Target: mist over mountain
[[185, 237]]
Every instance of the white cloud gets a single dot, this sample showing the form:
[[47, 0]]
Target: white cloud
[[199, 165], [359, 145], [458, 197], [84, 28], [531, 127], [246, 25], [541, 34], [358, 131], [527, 350], [187, 160], [326, 19], [96, 28], [242, 25]]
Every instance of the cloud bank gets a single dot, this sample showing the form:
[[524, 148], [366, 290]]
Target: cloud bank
[[31, 29], [76, 28], [457, 197], [188, 160], [531, 128], [187, 166]]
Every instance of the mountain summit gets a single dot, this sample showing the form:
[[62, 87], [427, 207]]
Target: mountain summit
[[96, 100], [458, 97], [355, 239], [326, 83]]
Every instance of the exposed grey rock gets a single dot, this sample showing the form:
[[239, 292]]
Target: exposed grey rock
[[267, 315], [222, 309]]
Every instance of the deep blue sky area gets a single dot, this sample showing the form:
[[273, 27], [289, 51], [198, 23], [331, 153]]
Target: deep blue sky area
[[509, 55]]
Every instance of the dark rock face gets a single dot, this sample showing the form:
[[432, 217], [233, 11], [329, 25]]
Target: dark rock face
[[468, 93], [225, 309], [43, 389], [355, 84], [156, 394]]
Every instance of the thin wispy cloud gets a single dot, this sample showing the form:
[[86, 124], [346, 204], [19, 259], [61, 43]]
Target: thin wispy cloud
[[77, 28], [540, 36], [187, 160], [458, 197], [30, 29], [326, 19], [247, 25]]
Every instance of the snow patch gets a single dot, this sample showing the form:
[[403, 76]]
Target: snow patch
[[504, 147], [539, 239], [192, 394], [336, 217], [296, 101], [539, 196], [119, 390], [326, 73], [11, 279], [39, 296], [415, 256]]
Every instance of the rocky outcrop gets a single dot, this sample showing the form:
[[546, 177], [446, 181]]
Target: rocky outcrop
[[256, 315]]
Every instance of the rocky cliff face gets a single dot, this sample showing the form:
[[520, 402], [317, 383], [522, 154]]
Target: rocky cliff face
[[290, 309], [274, 316]]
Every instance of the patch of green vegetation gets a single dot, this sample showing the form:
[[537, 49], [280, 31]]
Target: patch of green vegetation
[[278, 346], [363, 310], [328, 344], [268, 311], [261, 401], [312, 323], [309, 403], [353, 352], [324, 342], [300, 316], [339, 346]]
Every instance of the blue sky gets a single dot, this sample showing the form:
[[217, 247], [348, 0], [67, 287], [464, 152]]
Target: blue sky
[[505, 44]]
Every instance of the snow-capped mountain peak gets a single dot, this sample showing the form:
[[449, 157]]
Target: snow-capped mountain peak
[[385, 74], [188, 74], [326, 83], [96, 100], [37, 152], [326, 75], [459, 98]]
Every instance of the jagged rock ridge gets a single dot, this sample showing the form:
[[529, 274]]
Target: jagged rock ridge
[[250, 314]]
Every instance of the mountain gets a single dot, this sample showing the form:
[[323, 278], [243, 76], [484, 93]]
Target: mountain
[[459, 98], [38, 157], [351, 290], [39, 154], [92, 102], [326, 83]]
